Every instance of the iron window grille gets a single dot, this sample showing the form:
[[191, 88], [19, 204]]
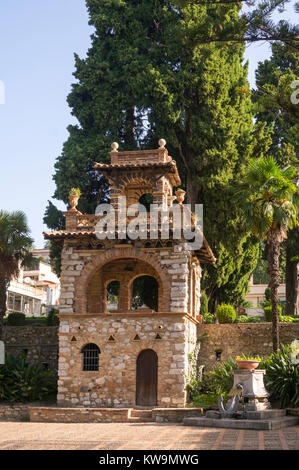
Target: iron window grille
[[91, 357]]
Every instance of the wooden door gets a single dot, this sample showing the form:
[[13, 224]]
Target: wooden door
[[147, 378]]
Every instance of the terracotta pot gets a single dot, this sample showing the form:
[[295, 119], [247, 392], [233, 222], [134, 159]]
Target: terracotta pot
[[243, 364], [180, 196], [73, 202]]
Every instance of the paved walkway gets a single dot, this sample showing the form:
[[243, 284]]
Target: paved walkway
[[127, 436]]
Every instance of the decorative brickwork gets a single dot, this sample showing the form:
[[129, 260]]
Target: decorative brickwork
[[89, 265]]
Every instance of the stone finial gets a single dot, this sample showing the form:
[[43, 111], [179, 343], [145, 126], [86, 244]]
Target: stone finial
[[162, 143], [114, 146]]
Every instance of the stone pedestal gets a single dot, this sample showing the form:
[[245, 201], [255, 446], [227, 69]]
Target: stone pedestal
[[254, 392]]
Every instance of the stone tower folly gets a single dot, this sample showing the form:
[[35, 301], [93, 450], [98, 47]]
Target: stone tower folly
[[129, 305]]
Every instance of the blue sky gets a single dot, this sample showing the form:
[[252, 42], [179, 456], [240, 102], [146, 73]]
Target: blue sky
[[37, 44]]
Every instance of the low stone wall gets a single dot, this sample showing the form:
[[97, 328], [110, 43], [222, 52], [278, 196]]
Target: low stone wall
[[18, 412], [78, 415], [234, 339], [39, 343], [175, 415]]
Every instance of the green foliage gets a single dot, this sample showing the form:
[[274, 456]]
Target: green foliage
[[282, 377], [245, 319], [52, 318], [195, 372], [219, 380], [55, 220], [268, 294], [288, 319], [248, 357], [268, 312], [23, 382], [225, 313], [204, 304], [16, 319], [205, 399], [147, 76], [208, 318], [145, 292], [75, 192]]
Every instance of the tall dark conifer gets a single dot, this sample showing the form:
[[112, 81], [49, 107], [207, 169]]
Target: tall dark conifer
[[147, 77]]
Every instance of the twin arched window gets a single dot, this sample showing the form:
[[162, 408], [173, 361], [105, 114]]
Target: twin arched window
[[144, 294]]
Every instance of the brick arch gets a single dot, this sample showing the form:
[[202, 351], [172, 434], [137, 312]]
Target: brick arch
[[113, 254]]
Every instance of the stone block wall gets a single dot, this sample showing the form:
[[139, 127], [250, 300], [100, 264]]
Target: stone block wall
[[235, 339], [39, 343], [114, 384]]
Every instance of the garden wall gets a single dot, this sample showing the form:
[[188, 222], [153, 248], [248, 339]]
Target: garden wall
[[234, 339], [39, 343]]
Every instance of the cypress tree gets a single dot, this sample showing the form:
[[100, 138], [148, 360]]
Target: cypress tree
[[146, 77]]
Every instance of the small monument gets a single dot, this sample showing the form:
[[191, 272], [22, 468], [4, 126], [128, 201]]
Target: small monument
[[254, 394]]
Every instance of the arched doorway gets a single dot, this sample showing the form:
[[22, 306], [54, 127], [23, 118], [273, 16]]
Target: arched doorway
[[146, 378]]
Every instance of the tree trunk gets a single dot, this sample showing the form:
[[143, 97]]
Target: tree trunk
[[192, 193], [291, 284], [274, 240], [3, 287]]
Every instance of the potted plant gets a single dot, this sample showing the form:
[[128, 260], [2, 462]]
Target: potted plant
[[248, 361], [74, 196]]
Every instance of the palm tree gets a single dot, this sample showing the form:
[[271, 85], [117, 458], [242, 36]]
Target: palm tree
[[270, 200], [15, 245]]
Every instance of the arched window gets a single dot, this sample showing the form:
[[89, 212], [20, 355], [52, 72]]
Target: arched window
[[144, 293], [90, 357], [112, 296], [146, 200]]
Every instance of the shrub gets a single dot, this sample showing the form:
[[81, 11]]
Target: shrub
[[268, 294], [16, 319], [21, 382], [268, 312], [287, 319], [52, 318], [35, 321], [220, 379], [204, 307], [282, 377], [208, 318], [245, 319], [226, 313]]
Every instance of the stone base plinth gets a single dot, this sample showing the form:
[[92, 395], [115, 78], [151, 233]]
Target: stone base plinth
[[254, 393]]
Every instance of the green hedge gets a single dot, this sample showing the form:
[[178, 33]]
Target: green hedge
[[16, 319], [225, 313]]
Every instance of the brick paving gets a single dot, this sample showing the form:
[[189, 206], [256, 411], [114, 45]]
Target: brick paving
[[148, 436]]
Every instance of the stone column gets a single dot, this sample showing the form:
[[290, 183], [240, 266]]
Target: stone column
[[254, 392]]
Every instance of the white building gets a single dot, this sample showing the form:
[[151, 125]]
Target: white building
[[36, 291]]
